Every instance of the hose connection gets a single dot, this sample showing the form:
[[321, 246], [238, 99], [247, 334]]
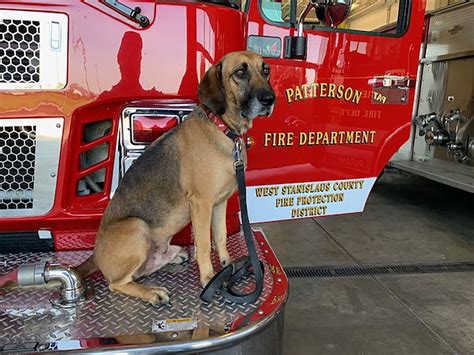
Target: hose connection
[[72, 289]]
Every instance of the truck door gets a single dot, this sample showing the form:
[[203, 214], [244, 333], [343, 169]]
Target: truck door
[[343, 108]]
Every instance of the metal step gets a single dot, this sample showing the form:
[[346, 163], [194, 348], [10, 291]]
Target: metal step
[[446, 172], [111, 319]]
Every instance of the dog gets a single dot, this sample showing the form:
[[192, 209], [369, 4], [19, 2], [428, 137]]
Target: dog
[[185, 175]]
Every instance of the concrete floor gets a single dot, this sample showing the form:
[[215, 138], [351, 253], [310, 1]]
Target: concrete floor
[[407, 220]]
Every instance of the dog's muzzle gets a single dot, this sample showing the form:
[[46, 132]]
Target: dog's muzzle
[[266, 98], [261, 104]]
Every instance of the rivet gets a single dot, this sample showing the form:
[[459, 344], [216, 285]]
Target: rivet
[[260, 312], [265, 251], [58, 125], [174, 335], [278, 279], [52, 175]]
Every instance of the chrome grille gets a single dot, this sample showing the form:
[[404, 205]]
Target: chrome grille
[[19, 51], [33, 50], [29, 157], [17, 166]]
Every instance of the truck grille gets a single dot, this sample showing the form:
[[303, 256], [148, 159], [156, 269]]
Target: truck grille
[[33, 50], [29, 158], [19, 51], [17, 166]]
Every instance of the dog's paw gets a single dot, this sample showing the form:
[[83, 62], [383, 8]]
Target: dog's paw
[[225, 260], [180, 258], [224, 257], [158, 295], [206, 278]]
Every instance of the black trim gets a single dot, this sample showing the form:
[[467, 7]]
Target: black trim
[[405, 8], [24, 242], [247, 6], [293, 9]]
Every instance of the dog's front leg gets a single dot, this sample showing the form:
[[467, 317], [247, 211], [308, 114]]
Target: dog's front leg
[[201, 212], [219, 232]]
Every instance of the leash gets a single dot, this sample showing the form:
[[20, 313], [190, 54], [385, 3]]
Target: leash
[[225, 279]]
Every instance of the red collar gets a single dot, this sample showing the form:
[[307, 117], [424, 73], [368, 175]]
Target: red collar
[[221, 125]]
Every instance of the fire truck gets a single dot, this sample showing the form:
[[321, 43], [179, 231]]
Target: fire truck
[[86, 85], [441, 145]]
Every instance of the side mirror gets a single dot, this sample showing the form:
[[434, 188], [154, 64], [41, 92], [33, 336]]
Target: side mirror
[[333, 12], [329, 12]]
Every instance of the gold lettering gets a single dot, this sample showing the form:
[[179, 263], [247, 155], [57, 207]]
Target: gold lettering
[[322, 89], [349, 137], [341, 137], [298, 95], [372, 135], [332, 90], [289, 138], [281, 139], [289, 94], [348, 94], [314, 86], [303, 138], [268, 137], [326, 138], [357, 137], [365, 137], [311, 137], [357, 96], [305, 90], [319, 136], [340, 92], [333, 137]]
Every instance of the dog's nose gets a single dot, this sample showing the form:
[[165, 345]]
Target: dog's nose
[[267, 98]]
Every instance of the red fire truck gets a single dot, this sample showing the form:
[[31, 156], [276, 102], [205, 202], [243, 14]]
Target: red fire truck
[[86, 85]]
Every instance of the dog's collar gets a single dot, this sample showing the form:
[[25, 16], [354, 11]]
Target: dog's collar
[[223, 127]]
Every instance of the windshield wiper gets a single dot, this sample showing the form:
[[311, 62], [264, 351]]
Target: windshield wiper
[[133, 14]]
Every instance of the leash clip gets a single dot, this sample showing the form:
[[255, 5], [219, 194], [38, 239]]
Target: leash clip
[[238, 146]]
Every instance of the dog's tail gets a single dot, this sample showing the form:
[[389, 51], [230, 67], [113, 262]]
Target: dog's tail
[[88, 267]]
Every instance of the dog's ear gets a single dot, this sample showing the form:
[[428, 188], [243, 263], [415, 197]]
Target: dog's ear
[[211, 91]]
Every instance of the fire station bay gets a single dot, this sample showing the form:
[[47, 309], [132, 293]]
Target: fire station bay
[[255, 177]]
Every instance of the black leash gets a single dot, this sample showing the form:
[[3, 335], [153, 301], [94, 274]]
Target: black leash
[[224, 280]]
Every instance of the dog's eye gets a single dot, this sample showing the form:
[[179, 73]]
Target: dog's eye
[[266, 71], [240, 73]]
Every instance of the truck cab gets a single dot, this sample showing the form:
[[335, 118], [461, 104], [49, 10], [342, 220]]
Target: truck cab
[[86, 86]]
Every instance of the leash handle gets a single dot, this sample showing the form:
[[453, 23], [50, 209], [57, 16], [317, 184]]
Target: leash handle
[[231, 274]]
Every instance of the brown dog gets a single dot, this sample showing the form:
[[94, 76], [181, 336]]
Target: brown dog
[[187, 174]]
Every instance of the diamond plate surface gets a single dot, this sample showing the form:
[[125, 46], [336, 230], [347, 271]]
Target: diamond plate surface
[[27, 315], [451, 32]]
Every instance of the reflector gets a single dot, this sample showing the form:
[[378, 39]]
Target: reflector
[[145, 129]]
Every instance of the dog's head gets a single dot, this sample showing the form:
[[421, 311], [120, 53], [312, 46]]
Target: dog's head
[[238, 86]]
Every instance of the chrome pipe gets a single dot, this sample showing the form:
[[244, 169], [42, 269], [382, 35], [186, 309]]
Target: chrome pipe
[[300, 24], [72, 288]]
